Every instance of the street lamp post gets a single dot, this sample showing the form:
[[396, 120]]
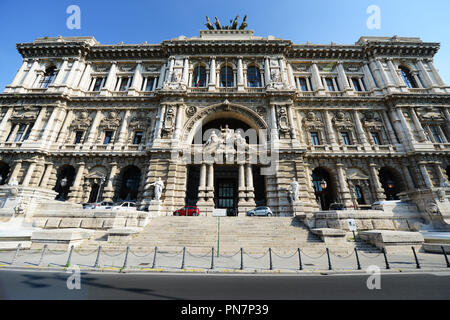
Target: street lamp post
[[323, 185], [63, 184], [102, 181]]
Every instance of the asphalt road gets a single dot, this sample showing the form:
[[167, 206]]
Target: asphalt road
[[53, 285]]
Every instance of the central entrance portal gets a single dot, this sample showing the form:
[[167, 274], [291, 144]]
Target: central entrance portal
[[226, 188]]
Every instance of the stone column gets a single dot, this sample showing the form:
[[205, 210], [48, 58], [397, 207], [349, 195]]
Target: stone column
[[315, 77], [291, 75], [370, 83], [29, 174], [210, 187], [185, 77], [14, 129], [162, 75], [407, 175], [267, 70], [274, 126], [91, 138], [74, 194], [137, 79], [250, 187], [16, 170], [202, 184], [240, 75], [384, 77], [178, 120], [46, 176], [52, 123], [64, 131], [406, 129], [31, 74], [425, 75], [170, 73], [111, 79], [4, 123], [283, 70], [435, 73], [425, 175], [108, 192], [291, 121], [389, 128], [159, 121], [418, 125], [123, 133], [329, 128], [345, 192], [342, 77], [378, 188], [37, 125], [61, 73], [359, 128], [212, 74], [86, 77], [438, 168], [19, 74], [394, 73], [72, 72]]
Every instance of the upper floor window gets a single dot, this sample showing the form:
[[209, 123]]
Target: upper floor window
[[408, 78], [226, 77], [345, 138], [78, 137], [123, 83], [315, 138], [48, 78], [436, 134], [97, 83], [199, 79], [138, 137], [148, 84], [331, 84], [376, 138], [304, 84], [358, 84], [108, 137], [253, 77]]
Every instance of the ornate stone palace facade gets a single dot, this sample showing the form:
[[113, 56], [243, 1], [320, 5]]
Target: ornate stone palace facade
[[352, 124]]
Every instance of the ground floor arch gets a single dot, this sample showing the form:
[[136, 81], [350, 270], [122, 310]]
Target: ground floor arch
[[128, 186], [391, 182], [324, 187], [4, 172], [65, 179]]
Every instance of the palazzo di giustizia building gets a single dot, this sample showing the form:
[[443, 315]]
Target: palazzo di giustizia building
[[351, 124]]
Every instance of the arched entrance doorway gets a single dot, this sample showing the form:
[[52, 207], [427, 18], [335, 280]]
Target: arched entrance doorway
[[65, 179], [324, 187], [4, 171], [392, 183], [129, 184]]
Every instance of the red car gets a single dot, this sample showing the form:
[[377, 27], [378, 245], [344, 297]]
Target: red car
[[187, 211]]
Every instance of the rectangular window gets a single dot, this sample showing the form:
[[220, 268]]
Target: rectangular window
[[125, 83], [20, 132], [315, 138], [376, 138], [303, 84], [345, 138], [329, 84], [356, 84], [147, 84], [138, 137], [108, 137], [436, 134], [78, 137], [98, 84], [27, 134]]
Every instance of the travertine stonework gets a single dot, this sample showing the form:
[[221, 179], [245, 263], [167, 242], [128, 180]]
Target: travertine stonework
[[377, 126]]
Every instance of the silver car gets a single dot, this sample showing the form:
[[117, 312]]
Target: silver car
[[260, 211]]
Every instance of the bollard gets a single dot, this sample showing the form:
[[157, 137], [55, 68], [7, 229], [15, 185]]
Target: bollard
[[184, 255], [212, 258], [97, 259], [270, 259], [125, 261], [16, 254], [386, 259], [357, 260], [300, 267], [69, 257], [242, 259], [446, 258], [154, 258], [42, 255], [329, 260], [415, 257]]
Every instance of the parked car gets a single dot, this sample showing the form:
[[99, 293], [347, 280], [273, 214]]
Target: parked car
[[337, 206], [100, 205], [126, 205], [187, 211], [260, 211]]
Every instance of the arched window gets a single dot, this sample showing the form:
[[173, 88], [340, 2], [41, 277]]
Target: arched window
[[199, 79], [226, 77], [408, 78], [253, 77], [48, 78]]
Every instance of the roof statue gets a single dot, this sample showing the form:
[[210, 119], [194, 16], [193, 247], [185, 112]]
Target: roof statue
[[208, 24], [233, 24]]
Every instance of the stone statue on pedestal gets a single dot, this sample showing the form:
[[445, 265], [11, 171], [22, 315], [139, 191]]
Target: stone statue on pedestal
[[208, 24], [159, 185], [294, 188]]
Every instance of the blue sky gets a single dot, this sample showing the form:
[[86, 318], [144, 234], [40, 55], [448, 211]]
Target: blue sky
[[137, 21]]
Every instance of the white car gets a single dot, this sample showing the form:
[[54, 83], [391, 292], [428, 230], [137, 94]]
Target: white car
[[260, 211], [127, 205]]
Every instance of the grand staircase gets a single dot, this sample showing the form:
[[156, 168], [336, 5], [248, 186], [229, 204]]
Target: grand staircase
[[200, 234]]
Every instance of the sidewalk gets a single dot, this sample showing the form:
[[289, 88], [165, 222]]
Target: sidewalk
[[173, 262]]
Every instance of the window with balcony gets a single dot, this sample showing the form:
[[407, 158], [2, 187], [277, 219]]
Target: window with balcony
[[346, 138], [108, 137], [199, 77], [315, 138], [253, 77], [138, 137], [226, 77], [48, 78], [408, 78]]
